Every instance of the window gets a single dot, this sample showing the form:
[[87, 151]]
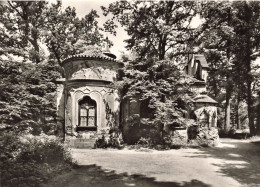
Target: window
[[145, 110], [87, 113]]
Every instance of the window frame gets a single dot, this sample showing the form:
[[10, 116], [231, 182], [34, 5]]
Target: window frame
[[92, 104]]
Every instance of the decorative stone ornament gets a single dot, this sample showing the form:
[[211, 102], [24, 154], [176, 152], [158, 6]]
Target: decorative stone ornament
[[89, 101]]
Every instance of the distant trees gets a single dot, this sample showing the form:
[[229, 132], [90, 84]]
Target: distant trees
[[231, 36]]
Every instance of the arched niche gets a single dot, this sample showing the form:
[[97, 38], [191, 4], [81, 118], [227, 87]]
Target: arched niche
[[79, 96]]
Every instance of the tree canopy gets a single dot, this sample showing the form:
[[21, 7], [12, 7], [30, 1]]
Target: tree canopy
[[154, 28], [230, 37], [36, 36]]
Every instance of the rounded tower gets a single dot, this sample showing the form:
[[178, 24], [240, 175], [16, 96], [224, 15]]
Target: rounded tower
[[88, 102]]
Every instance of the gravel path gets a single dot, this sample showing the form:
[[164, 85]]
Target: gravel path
[[233, 163]]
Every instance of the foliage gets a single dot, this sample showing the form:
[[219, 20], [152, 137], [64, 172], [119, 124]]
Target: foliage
[[28, 160], [234, 42], [67, 34], [162, 90], [27, 95], [158, 32], [154, 27], [135, 129], [36, 25], [112, 140]]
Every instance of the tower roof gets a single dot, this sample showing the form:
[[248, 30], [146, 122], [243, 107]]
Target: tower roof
[[91, 55], [204, 99]]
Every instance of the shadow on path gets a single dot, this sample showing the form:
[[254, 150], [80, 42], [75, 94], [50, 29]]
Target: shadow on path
[[92, 175], [237, 159]]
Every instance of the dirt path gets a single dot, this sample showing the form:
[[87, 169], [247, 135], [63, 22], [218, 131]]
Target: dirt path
[[233, 163]]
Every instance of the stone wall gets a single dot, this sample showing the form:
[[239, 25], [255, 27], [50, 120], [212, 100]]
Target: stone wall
[[88, 78]]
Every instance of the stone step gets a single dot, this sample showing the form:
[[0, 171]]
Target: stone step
[[81, 143]]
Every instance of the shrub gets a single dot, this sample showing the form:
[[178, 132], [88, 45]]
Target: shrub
[[137, 128], [113, 139], [30, 160]]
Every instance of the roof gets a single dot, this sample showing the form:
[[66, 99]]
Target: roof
[[196, 81], [202, 60], [90, 54], [204, 99], [190, 79]]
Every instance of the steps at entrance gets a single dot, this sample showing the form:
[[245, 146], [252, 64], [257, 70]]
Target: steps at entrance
[[81, 143]]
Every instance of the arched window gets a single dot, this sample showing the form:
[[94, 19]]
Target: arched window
[[87, 112]]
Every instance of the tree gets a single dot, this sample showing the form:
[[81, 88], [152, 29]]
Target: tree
[[27, 96], [217, 38], [158, 33], [155, 28], [236, 40], [35, 36], [65, 34], [37, 25], [22, 22]]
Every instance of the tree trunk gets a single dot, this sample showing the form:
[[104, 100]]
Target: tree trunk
[[227, 106], [237, 111], [34, 42], [258, 116], [249, 80], [250, 113], [227, 113], [250, 100], [228, 89]]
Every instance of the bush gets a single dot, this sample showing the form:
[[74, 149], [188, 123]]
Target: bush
[[137, 128], [113, 139], [31, 160]]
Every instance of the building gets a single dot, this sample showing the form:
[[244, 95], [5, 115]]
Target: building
[[205, 107], [89, 106]]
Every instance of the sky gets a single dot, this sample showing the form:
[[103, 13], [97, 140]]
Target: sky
[[84, 6]]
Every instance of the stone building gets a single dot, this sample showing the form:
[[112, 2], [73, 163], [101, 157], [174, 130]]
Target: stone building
[[89, 106], [205, 107]]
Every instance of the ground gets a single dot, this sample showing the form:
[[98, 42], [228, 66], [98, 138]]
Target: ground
[[232, 163]]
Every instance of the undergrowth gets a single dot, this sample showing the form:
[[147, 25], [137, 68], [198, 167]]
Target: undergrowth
[[28, 160]]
